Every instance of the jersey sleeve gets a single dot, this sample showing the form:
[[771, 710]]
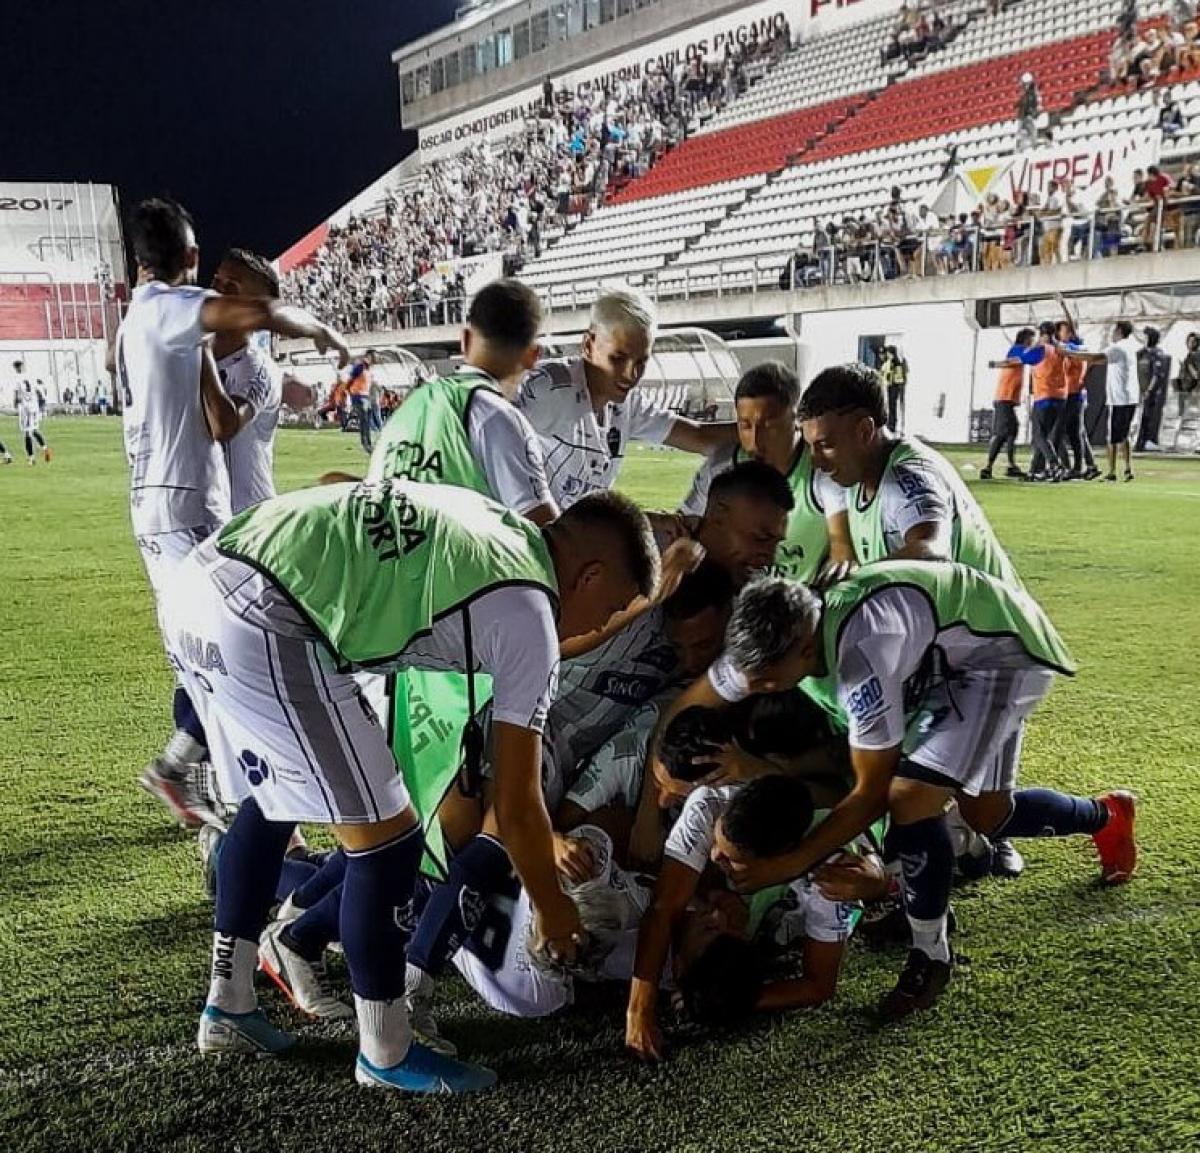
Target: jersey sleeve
[[516, 641], [830, 495], [179, 325], [916, 493], [537, 398], [648, 421], [691, 837], [509, 452], [728, 681], [261, 388], [882, 644]]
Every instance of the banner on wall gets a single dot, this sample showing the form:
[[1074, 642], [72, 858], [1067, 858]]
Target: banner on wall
[[1087, 164], [507, 117], [822, 16], [476, 272]]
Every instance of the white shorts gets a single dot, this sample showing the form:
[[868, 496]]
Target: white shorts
[[29, 421], [284, 725], [970, 728], [163, 553]]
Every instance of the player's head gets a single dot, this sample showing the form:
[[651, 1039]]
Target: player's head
[[245, 273], [745, 518], [765, 403], [689, 741], [1193, 341], [841, 414], [1046, 330], [1122, 330], [1064, 330], [774, 634], [164, 241], [604, 557], [767, 817], [721, 983], [617, 344], [1152, 335], [502, 329], [695, 617]]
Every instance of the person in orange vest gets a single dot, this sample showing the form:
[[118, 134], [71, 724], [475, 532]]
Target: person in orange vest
[[1049, 405], [1074, 435], [358, 381], [1009, 386]]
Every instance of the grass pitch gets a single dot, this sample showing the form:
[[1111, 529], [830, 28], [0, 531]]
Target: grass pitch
[[1074, 1027]]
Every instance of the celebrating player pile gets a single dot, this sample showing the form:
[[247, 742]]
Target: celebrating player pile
[[778, 753]]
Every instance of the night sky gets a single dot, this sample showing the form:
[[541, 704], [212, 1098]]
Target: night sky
[[261, 116]]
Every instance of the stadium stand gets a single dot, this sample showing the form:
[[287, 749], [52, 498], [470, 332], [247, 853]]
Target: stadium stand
[[808, 154]]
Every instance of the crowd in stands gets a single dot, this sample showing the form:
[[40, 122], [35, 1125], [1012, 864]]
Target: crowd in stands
[[915, 34], [1143, 58], [906, 239], [511, 196]]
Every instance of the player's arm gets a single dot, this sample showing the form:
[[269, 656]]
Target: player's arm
[[1009, 362], [821, 965], [241, 315], [706, 438], [866, 802], [676, 885], [527, 834], [222, 412], [930, 540]]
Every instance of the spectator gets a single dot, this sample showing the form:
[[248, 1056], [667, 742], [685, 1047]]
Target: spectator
[[1029, 108], [1154, 373], [1121, 386], [1188, 381], [1051, 217], [1170, 117], [1154, 190]]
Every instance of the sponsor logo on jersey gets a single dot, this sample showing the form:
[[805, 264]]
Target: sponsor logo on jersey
[[866, 701], [627, 687]]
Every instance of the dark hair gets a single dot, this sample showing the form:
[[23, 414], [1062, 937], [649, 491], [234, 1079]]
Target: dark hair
[[1153, 336], [770, 616], [159, 232], [753, 480], [1047, 328], [506, 313], [1192, 336], [1060, 325], [769, 815], [1025, 334], [846, 388], [722, 985], [707, 587], [790, 723], [771, 379], [615, 513], [258, 265], [689, 737], [1125, 327]]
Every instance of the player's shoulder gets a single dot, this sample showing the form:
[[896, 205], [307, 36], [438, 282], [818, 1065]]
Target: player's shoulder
[[917, 471], [556, 378]]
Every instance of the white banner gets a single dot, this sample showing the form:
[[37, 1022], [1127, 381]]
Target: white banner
[[60, 230], [1085, 163], [822, 16], [476, 271], [507, 117]]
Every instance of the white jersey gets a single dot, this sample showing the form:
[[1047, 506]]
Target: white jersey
[[914, 492], [251, 375], [178, 476], [584, 450], [513, 632], [508, 452], [496, 962], [806, 913], [29, 413], [613, 774], [829, 495]]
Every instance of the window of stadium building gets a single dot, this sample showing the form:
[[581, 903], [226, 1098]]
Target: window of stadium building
[[539, 31], [521, 40]]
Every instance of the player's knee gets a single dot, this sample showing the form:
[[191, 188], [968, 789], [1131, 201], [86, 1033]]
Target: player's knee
[[363, 838], [987, 812]]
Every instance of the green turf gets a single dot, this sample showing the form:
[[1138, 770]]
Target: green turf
[[1074, 1027]]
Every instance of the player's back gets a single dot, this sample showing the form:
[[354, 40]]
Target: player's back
[[178, 478]]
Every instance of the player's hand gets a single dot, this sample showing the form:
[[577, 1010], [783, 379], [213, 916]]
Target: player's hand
[[328, 340], [643, 1038], [848, 877], [574, 859], [731, 763], [559, 933], [834, 572], [682, 557]]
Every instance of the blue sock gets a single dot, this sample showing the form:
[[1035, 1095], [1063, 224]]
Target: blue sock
[[376, 914], [454, 908], [248, 871], [186, 717], [1046, 813], [327, 878], [292, 876], [311, 933], [927, 858]]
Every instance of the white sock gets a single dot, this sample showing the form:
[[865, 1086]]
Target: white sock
[[183, 749], [931, 937], [384, 1033], [417, 981], [231, 987]]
